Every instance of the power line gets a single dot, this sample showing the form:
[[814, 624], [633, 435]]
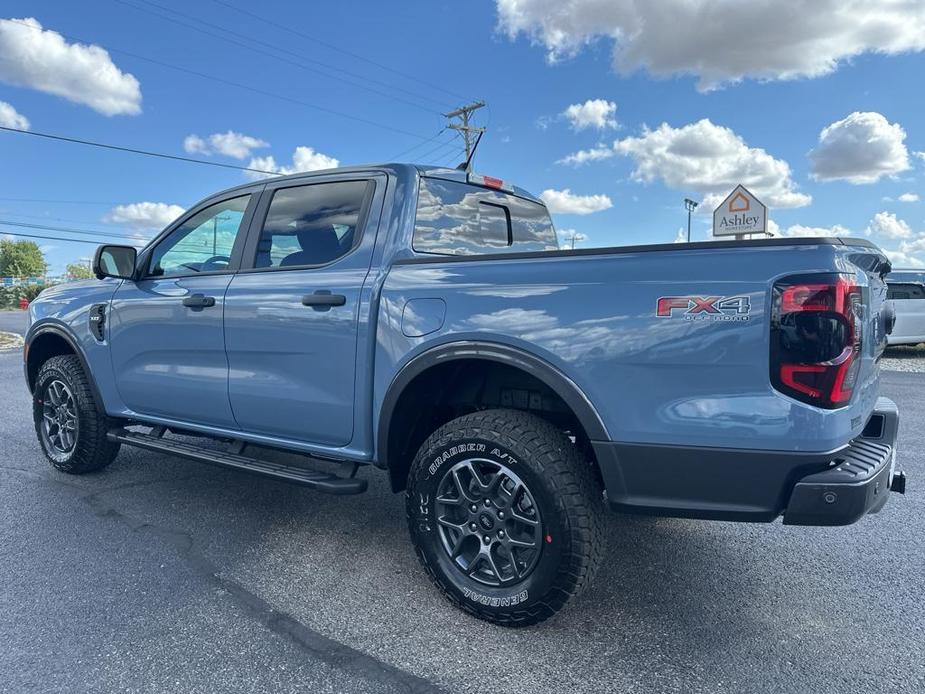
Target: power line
[[337, 48], [69, 230], [46, 218], [58, 238], [439, 148], [405, 152], [131, 150], [237, 85], [57, 202], [244, 41]]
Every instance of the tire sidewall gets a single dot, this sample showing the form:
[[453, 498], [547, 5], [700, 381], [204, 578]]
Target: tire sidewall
[[49, 373], [434, 461]]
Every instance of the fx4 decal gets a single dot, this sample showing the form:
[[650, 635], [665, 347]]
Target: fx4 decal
[[716, 308]]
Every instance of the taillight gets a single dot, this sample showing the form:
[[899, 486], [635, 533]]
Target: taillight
[[816, 338]]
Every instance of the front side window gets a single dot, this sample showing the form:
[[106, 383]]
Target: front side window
[[311, 225], [203, 243], [462, 219]]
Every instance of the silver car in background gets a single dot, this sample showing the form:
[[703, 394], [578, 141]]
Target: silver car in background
[[906, 288]]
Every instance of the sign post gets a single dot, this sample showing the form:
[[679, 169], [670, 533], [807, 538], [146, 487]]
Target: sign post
[[739, 214]]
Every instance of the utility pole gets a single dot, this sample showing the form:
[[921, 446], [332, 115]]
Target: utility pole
[[468, 131], [690, 206]]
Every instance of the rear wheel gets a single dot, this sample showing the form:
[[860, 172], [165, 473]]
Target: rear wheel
[[71, 428], [505, 515]]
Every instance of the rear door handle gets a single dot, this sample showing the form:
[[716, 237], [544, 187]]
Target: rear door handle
[[323, 300], [198, 301]]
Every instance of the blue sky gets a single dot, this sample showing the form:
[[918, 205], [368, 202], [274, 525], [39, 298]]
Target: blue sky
[[744, 95]]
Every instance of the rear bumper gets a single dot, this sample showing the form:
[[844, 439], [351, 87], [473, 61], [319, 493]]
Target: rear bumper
[[828, 488], [858, 480]]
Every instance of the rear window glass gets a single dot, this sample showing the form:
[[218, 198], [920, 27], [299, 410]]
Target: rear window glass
[[905, 291], [460, 219], [311, 225]]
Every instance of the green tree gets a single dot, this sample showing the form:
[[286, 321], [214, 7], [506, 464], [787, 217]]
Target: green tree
[[21, 259], [79, 271]]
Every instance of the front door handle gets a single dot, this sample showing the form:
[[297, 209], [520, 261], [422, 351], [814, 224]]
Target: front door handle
[[198, 301], [323, 300]]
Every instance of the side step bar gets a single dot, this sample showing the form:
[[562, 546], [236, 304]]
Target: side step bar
[[321, 481]]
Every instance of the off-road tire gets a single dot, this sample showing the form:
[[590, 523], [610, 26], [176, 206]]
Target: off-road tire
[[566, 493], [91, 451]]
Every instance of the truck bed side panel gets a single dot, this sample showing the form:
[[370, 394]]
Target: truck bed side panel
[[654, 380]]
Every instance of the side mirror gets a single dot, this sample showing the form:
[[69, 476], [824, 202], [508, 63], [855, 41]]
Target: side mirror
[[115, 261]]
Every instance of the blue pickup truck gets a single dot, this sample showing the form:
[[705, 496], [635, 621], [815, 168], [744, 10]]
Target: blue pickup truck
[[423, 321]]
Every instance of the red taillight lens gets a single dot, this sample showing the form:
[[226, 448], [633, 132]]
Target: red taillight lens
[[816, 338]]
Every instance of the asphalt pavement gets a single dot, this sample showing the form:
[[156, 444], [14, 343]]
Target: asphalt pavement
[[163, 575], [13, 321]]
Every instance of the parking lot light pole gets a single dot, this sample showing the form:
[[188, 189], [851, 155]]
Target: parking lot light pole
[[690, 206]]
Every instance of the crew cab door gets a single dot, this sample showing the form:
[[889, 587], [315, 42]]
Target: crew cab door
[[166, 332], [292, 312]]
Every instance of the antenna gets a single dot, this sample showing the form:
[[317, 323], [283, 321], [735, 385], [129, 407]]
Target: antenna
[[467, 165]]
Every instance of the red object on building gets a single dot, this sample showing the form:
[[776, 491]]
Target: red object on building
[[23, 304]]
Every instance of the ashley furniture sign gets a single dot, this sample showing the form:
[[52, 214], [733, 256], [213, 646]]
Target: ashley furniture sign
[[740, 213]]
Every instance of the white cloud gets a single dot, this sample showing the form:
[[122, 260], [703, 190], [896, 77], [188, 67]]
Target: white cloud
[[886, 224], [861, 148], [916, 245], [908, 197], [901, 258], [711, 160], [10, 118], [231, 144], [566, 202], [583, 156], [911, 246], [143, 216], [569, 238], [594, 113], [193, 144], [303, 159], [720, 41], [85, 74]]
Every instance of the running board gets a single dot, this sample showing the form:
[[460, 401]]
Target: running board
[[321, 481]]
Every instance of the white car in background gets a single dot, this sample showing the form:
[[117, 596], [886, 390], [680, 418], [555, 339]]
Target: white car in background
[[906, 288]]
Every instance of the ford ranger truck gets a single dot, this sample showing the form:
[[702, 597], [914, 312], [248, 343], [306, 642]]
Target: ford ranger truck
[[423, 322]]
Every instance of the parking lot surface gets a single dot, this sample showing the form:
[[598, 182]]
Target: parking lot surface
[[13, 321], [161, 574]]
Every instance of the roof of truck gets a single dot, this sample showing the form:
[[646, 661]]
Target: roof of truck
[[440, 172]]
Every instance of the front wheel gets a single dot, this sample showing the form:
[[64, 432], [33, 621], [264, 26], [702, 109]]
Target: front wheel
[[505, 515], [70, 426]]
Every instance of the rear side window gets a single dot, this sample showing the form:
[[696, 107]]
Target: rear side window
[[905, 291], [311, 225], [460, 219]]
